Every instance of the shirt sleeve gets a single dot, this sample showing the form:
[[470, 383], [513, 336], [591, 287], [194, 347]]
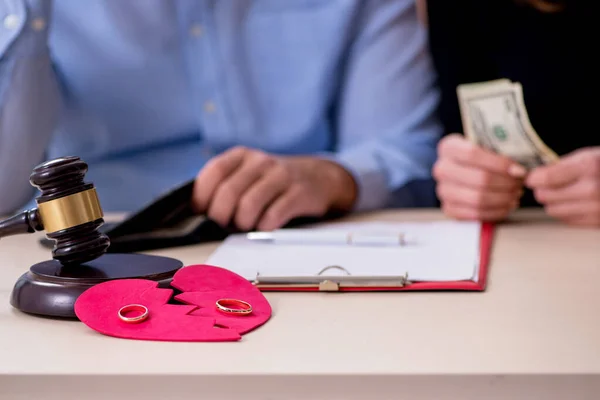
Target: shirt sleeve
[[30, 99], [386, 111]]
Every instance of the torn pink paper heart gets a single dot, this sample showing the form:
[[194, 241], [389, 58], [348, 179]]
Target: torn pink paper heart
[[198, 320]]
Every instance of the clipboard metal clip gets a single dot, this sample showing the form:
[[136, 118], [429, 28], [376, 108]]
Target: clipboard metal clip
[[330, 283], [334, 267], [329, 286]]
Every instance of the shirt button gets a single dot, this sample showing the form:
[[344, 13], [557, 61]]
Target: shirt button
[[196, 30], [210, 107], [11, 21], [38, 24]]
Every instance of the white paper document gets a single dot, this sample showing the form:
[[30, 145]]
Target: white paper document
[[436, 251]]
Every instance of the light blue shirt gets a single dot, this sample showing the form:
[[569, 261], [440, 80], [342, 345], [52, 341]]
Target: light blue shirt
[[146, 91]]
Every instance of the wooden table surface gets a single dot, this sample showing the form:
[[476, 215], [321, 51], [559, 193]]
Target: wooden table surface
[[533, 334]]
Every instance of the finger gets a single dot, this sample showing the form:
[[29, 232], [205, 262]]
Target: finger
[[259, 196], [461, 212], [445, 170], [460, 149], [590, 221], [580, 189], [229, 192], [562, 173], [581, 163], [297, 201], [213, 173], [477, 199], [573, 210]]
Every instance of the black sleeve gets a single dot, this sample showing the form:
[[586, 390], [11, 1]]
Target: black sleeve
[[458, 51]]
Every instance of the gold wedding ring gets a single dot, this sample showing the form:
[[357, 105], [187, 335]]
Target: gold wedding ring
[[133, 307], [234, 307]]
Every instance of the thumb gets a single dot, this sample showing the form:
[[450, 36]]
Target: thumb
[[567, 170], [465, 152]]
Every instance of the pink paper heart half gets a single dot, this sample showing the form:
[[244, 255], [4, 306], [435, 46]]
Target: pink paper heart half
[[204, 285]]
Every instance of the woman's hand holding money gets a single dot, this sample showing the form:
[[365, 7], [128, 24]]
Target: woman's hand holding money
[[474, 183], [570, 188]]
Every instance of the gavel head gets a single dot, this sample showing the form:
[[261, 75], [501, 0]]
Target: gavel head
[[69, 210]]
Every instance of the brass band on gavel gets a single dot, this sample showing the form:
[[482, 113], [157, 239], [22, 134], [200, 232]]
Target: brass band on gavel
[[69, 211]]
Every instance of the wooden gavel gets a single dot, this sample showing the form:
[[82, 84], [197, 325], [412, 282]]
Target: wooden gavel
[[68, 210]]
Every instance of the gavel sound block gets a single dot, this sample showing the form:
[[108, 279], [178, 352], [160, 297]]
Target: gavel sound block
[[69, 212]]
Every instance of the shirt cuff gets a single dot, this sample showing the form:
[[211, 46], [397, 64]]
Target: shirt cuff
[[370, 177]]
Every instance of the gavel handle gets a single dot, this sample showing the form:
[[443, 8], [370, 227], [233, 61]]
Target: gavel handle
[[26, 222]]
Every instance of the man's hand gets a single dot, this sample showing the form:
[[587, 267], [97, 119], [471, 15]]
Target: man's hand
[[253, 189], [570, 188], [476, 184]]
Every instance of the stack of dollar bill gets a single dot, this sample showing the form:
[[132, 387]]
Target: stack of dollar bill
[[494, 117]]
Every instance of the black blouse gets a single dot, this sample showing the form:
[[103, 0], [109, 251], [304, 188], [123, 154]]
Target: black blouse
[[552, 55]]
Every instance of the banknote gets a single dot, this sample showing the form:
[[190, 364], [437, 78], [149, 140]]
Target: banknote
[[494, 116]]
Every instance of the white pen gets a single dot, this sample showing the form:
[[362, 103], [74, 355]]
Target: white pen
[[325, 237]]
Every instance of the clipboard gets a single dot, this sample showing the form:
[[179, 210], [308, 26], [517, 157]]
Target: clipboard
[[343, 281]]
